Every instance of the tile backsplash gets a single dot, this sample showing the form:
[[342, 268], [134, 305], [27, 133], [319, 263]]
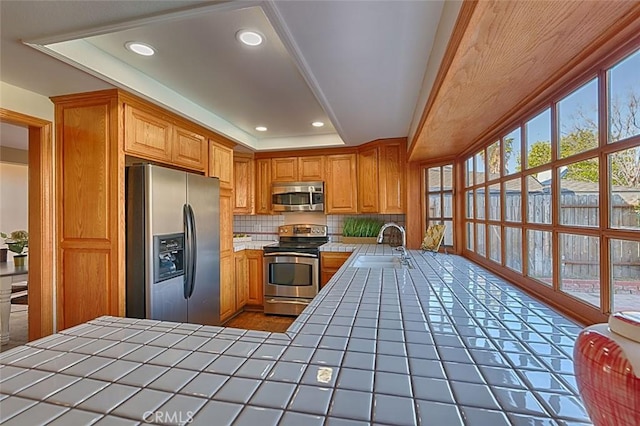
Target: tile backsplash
[[265, 228]]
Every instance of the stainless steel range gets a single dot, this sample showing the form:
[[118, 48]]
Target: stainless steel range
[[292, 268]]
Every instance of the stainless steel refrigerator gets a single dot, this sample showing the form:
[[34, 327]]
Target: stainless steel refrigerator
[[173, 245]]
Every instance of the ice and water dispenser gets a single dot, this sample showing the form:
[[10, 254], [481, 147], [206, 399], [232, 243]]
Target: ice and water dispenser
[[168, 255]]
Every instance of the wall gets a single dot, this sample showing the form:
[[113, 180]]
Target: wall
[[14, 198], [265, 228], [20, 100]]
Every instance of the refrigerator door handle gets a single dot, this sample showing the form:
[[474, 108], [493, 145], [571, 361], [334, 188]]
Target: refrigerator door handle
[[187, 249], [194, 250]]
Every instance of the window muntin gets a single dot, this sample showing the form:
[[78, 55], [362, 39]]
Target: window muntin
[[580, 193], [623, 114], [578, 120], [538, 137], [580, 267]]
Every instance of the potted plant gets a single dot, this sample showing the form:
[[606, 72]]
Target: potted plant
[[360, 230], [16, 241]]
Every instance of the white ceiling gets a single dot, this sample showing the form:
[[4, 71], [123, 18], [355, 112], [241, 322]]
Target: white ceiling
[[356, 65]]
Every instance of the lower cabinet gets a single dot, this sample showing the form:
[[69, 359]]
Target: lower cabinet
[[255, 298], [330, 262], [227, 287], [241, 279]]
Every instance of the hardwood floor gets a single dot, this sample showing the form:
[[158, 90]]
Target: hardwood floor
[[261, 322]]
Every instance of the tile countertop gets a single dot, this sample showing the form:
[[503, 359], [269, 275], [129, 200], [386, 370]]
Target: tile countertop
[[443, 343]]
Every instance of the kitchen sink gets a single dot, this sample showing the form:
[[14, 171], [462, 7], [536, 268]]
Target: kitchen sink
[[379, 261]]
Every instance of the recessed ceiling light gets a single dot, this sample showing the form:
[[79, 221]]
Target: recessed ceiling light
[[140, 48], [317, 124], [261, 129], [250, 38]]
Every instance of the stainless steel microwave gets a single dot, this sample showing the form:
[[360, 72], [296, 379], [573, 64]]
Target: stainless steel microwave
[[297, 196]]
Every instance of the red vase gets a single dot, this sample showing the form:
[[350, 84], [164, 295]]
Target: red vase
[[607, 367]]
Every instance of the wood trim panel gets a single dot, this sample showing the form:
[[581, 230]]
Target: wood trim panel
[[41, 222], [512, 81]]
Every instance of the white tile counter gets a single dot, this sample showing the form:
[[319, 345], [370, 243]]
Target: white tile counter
[[444, 343], [250, 245]]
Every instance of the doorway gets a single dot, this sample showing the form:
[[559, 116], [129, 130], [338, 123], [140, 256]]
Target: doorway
[[40, 220]]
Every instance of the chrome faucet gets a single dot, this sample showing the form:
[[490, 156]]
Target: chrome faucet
[[402, 248]]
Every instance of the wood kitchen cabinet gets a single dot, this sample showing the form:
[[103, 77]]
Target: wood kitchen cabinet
[[368, 193], [330, 262], [150, 135], [243, 182], [392, 159], [221, 163], [146, 135], [241, 279], [189, 149], [284, 169], [311, 168], [341, 191], [255, 267], [263, 186]]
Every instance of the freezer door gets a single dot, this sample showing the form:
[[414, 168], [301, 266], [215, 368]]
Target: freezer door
[[203, 195], [167, 197]]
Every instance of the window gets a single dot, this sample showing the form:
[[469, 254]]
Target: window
[[537, 208], [439, 197], [538, 134], [578, 120]]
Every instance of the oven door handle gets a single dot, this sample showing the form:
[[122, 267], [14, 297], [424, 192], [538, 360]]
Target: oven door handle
[[282, 253], [286, 302]]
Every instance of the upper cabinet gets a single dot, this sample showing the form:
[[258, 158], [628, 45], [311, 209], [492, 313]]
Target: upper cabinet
[[368, 194], [243, 184], [152, 136], [381, 177], [146, 135], [311, 168], [263, 186], [189, 149], [341, 191], [392, 158], [284, 169], [221, 163]]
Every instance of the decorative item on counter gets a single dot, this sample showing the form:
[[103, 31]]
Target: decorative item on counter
[[358, 230], [16, 241], [433, 238], [607, 368], [241, 238]]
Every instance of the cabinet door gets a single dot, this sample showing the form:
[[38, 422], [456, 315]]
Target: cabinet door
[[189, 149], [392, 177], [221, 164], [263, 186], [256, 278], [311, 168], [227, 287], [368, 201], [146, 135], [284, 169], [241, 280], [340, 187], [330, 262], [226, 221], [243, 185]]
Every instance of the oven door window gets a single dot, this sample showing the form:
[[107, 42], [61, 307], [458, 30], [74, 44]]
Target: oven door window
[[291, 274], [292, 199]]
